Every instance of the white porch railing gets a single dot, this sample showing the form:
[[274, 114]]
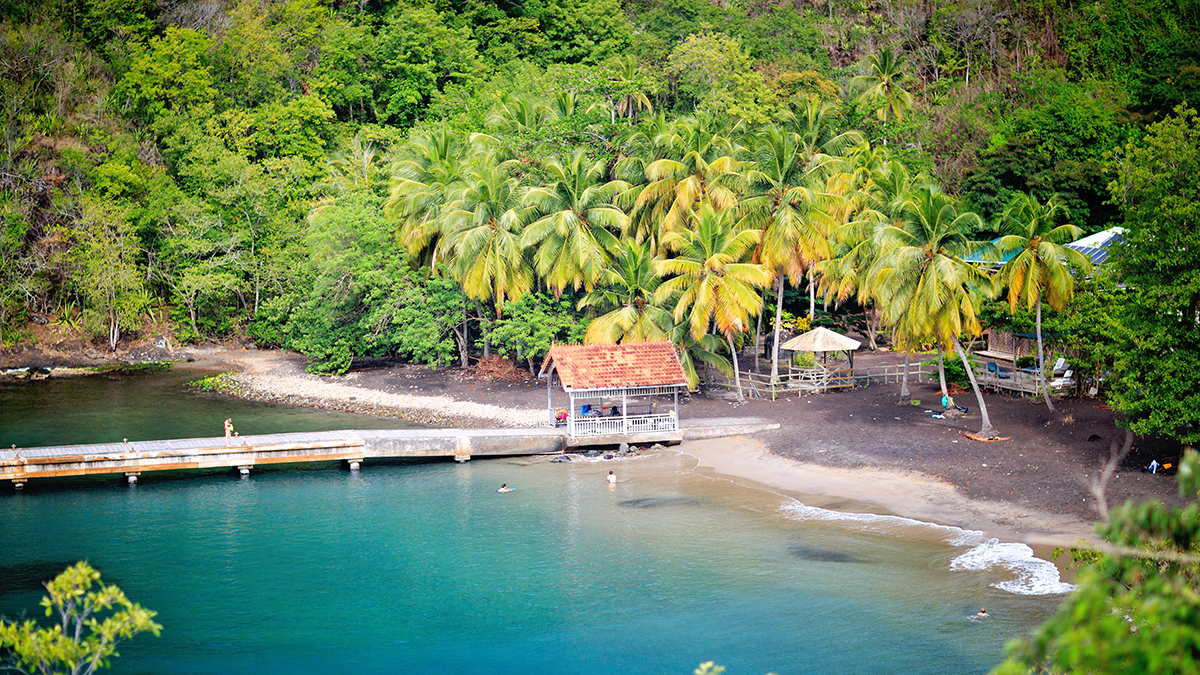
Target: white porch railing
[[636, 424]]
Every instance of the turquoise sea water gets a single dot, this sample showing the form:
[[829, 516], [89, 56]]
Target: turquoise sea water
[[424, 568]]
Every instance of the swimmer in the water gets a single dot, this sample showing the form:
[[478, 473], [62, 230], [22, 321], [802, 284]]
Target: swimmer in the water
[[504, 488], [612, 477], [982, 613]]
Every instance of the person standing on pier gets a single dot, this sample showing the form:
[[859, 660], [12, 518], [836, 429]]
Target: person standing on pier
[[228, 431]]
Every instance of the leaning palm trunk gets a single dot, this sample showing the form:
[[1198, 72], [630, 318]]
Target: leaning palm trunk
[[737, 375], [942, 374], [905, 394], [778, 328], [986, 430], [1042, 358]]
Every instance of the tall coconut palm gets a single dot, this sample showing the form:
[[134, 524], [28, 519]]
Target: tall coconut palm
[[625, 292], [714, 285], [795, 233], [700, 166], [882, 86], [875, 196], [1041, 269], [575, 234], [924, 286], [481, 235]]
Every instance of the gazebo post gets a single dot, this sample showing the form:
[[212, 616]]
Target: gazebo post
[[624, 411], [676, 421], [571, 413], [549, 398]]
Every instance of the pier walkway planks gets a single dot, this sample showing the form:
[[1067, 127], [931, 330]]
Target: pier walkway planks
[[18, 465]]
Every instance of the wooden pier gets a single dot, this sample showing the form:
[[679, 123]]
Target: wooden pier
[[19, 465]]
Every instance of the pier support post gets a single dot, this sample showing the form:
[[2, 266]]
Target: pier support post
[[353, 464], [132, 477], [18, 484], [244, 470]]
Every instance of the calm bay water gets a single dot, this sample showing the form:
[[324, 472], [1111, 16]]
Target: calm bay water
[[424, 568]]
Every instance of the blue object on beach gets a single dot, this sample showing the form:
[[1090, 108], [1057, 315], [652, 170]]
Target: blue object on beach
[[585, 409], [939, 416]]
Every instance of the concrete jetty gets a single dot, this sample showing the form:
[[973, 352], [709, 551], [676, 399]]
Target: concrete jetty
[[132, 458]]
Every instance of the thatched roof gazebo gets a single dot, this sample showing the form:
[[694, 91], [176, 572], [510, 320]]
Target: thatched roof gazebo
[[821, 339], [610, 389]]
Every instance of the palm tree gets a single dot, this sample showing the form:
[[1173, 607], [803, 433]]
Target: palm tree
[[1041, 270], [815, 123], [421, 186], [795, 234], [882, 86], [574, 237], [875, 195], [700, 166], [924, 286], [714, 286], [481, 236], [626, 289], [519, 114]]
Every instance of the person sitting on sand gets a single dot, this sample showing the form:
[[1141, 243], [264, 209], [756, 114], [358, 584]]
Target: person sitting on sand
[[612, 477], [504, 488], [982, 614]]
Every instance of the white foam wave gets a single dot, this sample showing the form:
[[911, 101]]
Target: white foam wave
[[886, 525], [1032, 575]]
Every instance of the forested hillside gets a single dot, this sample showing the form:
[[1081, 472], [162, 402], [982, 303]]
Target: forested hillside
[[432, 180]]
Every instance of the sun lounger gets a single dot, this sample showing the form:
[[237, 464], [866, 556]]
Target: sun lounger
[[1060, 366]]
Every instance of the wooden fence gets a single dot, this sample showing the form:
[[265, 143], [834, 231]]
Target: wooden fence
[[804, 381]]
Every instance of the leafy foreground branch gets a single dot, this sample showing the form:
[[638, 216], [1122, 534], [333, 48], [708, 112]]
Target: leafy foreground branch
[[89, 625], [1137, 608]]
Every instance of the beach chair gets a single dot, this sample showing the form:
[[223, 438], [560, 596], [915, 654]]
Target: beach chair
[[1065, 381], [996, 371], [1060, 366]]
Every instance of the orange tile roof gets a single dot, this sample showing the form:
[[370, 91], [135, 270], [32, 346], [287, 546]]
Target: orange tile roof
[[636, 364]]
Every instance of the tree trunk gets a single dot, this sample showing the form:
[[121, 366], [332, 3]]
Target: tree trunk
[[986, 429], [466, 336], [737, 374], [942, 374], [758, 334], [778, 328], [872, 318], [487, 344], [812, 300], [1042, 359], [905, 394], [114, 330]]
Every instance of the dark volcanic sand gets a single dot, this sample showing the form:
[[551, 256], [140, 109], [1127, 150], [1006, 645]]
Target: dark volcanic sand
[[1047, 464]]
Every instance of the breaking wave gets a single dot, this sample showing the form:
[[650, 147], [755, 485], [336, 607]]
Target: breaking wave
[[895, 526], [1031, 575]]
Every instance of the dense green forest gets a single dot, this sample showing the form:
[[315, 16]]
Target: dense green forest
[[435, 181]]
